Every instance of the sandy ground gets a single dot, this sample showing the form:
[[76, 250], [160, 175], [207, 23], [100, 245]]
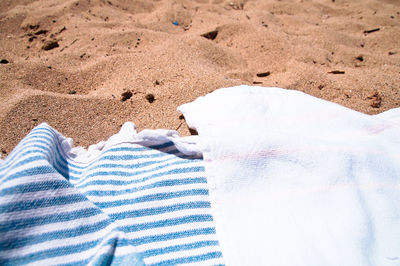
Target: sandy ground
[[68, 62]]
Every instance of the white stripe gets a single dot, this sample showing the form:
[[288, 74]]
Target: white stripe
[[50, 210], [170, 229], [133, 172], [18, 158], [103, 160], [47, 146], [122, 163], [100, 161], [146, 153], [28, 143], [182, 254], [147, 192], [37, 195], [71, 163], [119, 188], [57, 243], [141, 164], [161, 217], [30, 179], [153, 204], [78, 256], [178, 241], [93, 170], [12, 171], [48, 228]]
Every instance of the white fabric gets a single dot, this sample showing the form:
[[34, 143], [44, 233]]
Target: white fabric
[[128, 134], [296, 180]]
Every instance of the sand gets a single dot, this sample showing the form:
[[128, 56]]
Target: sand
[[67, 62]]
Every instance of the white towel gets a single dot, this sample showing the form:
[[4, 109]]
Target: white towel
[[296, 180]]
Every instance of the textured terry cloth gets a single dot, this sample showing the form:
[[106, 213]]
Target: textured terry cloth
[[137, 198], [296, 180]]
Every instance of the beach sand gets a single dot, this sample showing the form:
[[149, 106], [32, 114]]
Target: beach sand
[[73, 63]]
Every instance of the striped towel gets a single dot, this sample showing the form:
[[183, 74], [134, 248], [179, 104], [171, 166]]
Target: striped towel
[[135, 199]]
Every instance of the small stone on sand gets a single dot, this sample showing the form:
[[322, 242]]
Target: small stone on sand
[[150, 98], [48, 45], [126, 95]]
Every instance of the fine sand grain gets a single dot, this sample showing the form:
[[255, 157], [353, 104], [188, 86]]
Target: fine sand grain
[[87, 66]]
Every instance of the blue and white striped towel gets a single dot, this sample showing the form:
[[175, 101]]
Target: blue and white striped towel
[[135, 199]]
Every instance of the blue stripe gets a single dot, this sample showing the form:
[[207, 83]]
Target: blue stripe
[[47, 219], [128, 166], [60, 161], [95, 164], [170, 236], [104, 153], [60, 251], [60, 234], [167, 222], [160, 210], [181, 170], [191, 259], [36, 187], [165, 183], [24, 144], [35, 134], [153, 197], [137, 149], [77, 175], [36, 158], [56, 157], [41, 203], [93, 172], [51, 150], [40, 157], [63, 165], [195, 245], [36, 150], [13, 159], [135, 157], [42, 153], [104, 157], [48, 152], [39, 170], [44, 129]]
